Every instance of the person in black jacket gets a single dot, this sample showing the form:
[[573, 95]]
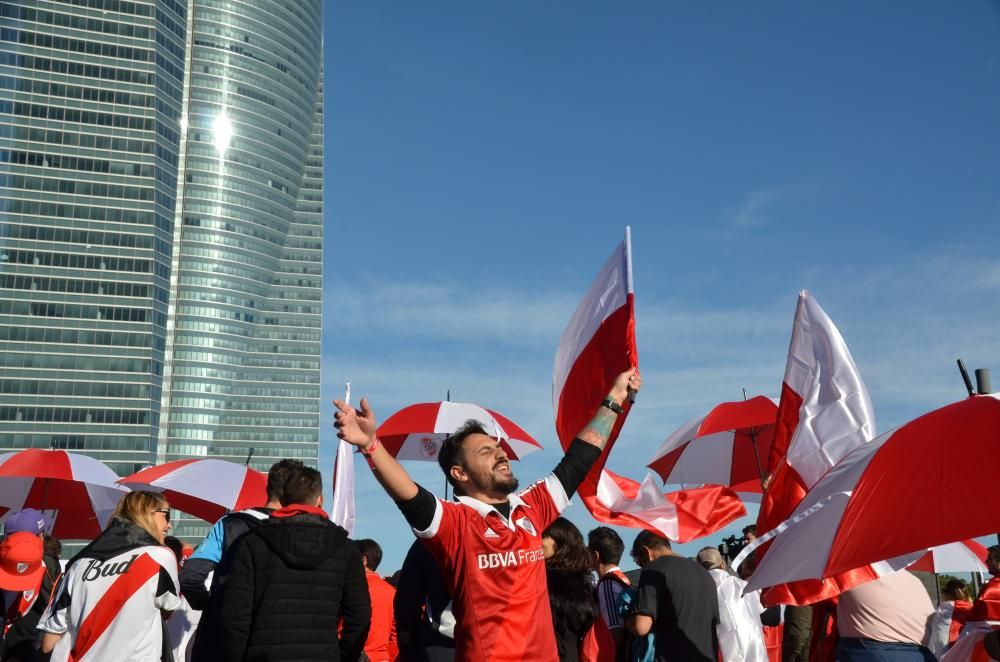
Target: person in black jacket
[[291, 580], [422, 608], [212, 559]]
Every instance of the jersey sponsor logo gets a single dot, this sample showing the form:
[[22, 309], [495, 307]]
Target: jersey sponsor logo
[[510, 559], [490, 533], [97, 569], [526, 524]]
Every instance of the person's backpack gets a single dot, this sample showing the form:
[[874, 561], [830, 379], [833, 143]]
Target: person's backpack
[[637, 649]]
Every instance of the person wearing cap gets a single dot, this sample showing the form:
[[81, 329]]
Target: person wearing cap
[[23, 609], [108, 606]]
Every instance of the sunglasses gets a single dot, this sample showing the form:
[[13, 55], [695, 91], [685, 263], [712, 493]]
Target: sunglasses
[[165, 511]]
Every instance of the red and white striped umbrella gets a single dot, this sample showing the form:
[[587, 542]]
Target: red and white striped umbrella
[[207, 488], [727, 446], [81, 489], [891, 499], [417, 432], [964, 556]]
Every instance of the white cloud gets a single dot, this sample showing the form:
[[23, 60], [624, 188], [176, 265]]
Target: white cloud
[[754, 210]]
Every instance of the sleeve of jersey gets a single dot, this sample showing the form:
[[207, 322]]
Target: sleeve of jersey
[[607, 598], [54, 618], [444, 535], [210, 548], [547, 499], [167, 586]]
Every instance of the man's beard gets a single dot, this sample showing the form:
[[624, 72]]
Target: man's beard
[[505, 485]]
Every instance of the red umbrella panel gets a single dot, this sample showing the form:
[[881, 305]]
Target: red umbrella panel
[[81, 490], [417, 432], [964, 556], [727, 446], [887, 502], [207, 488]]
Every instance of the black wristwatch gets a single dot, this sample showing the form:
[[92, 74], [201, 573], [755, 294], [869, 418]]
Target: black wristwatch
[[613, 406]]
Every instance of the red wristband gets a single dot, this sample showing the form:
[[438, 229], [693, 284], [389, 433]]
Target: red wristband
[[368, 453]]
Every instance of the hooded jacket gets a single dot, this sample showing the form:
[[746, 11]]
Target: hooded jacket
[[291, 581]]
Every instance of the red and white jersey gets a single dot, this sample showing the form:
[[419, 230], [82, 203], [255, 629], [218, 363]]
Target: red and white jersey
[[109, 610], [495, 571]]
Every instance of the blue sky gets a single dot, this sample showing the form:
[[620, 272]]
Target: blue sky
[[482, 160]]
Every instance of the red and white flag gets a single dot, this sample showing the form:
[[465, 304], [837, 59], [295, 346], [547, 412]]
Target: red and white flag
[[342, 509], [823, 415], [597, 346]]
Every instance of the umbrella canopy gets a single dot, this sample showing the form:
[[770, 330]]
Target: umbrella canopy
[[727, 446], [80, 489], [964, 556], [417, 432], [906, 490], [206, 488]]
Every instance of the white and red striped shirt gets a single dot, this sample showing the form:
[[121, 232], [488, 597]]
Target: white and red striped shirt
[[109, 608]]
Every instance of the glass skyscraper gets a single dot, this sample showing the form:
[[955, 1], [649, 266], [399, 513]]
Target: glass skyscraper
[[160, 229]]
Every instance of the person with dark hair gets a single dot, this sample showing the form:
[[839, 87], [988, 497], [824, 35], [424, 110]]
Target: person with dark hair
[[108, 606], [296, 557], [488, 545], [750, 532], [949, 617], [987, 604], [381, 643], [212, 559], [571, 591], [425, 624], [676, 600], [606, 548]]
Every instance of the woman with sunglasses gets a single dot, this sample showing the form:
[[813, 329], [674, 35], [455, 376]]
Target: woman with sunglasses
[[108, 605]]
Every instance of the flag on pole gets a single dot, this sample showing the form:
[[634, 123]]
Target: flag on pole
[[342, 508], [597, 345], [824, 412]]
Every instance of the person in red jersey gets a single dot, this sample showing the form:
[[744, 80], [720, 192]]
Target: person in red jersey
[[380, 646], [489, 544]]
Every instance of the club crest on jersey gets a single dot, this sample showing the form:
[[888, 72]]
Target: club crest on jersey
[[526, 524], [30, 593], [428, 447]]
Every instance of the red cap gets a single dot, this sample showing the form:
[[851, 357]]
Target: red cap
[[21, 566]]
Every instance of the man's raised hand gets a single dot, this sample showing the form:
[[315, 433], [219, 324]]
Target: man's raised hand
[[356, 427]]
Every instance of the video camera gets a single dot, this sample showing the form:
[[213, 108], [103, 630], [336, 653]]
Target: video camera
[[731, 547]]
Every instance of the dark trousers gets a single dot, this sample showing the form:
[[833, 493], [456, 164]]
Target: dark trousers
[[850, 649]]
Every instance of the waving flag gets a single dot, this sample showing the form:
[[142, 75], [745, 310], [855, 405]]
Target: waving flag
[[597, 346], [342, 508], [889, 501], [824, 412]]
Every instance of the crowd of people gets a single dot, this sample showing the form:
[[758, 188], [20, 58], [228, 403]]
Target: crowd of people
[[495, 575]]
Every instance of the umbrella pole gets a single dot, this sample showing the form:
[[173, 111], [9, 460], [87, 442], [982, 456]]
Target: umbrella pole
[[753, 442]]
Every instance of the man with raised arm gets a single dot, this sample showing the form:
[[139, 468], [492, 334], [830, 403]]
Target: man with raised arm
[[489, 544]]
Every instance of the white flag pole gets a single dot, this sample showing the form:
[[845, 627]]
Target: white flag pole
[[342, 509]]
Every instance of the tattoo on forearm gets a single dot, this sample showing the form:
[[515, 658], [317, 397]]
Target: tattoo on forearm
[[602, 423]]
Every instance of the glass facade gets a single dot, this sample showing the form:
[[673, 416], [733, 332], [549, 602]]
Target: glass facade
[[90, 99], [243, 347], [161, 229]]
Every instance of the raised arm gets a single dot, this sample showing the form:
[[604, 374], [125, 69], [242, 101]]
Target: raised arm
[[357, 427], [599, 429]]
